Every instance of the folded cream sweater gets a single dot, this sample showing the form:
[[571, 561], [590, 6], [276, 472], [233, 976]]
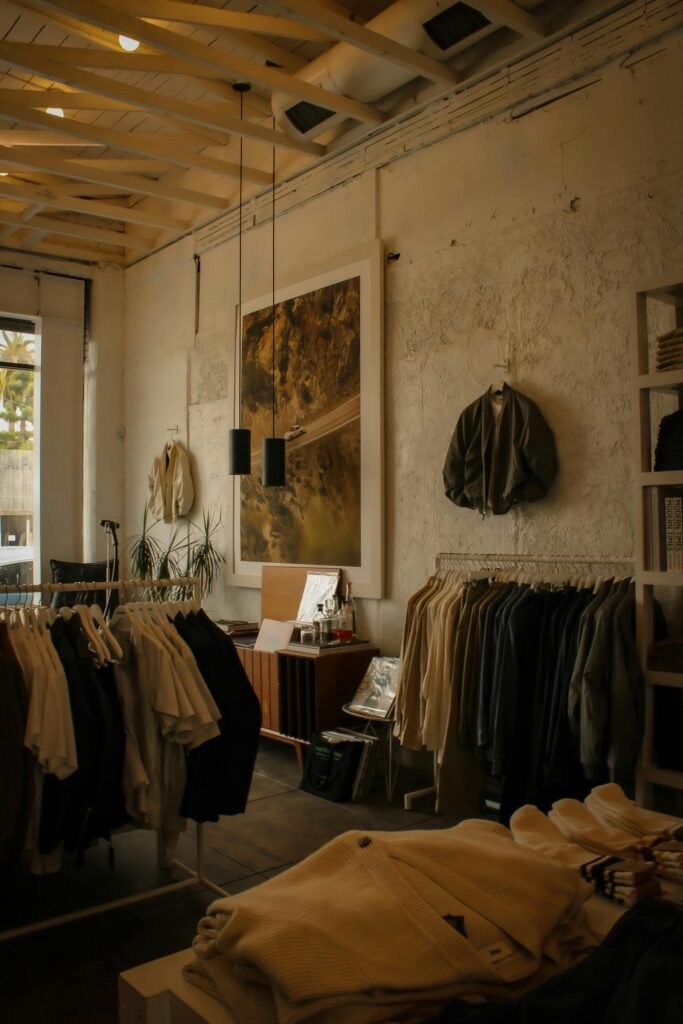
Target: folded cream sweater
[[390, 926]]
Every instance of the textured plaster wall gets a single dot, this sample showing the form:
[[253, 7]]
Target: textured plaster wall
[[520, 241]]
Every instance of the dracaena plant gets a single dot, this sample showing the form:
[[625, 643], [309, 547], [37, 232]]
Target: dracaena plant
[[191, 553]]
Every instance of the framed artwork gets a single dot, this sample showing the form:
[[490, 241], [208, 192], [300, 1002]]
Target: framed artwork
[[327, 386]]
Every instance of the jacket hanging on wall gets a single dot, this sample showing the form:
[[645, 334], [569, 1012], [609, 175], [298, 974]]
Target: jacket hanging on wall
[[170, 483], [502, 453]]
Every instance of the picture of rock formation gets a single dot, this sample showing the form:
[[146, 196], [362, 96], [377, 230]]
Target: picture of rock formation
[[316, 518]]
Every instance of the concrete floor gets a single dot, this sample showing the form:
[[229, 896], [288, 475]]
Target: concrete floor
[[69, 973]]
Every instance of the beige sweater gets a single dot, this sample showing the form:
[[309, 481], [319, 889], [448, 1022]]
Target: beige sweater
[[357, 932]]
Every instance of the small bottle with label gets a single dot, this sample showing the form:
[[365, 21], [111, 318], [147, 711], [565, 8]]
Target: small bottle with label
[[318, 625]]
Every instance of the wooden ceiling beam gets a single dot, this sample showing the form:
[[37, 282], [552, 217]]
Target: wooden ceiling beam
[[71, 230], [129, 184], [235, 67], [347, 31], [49, 247], [128, 142], [217, 17], [93, 208], [30, 57], [93, 34], [508, 13]]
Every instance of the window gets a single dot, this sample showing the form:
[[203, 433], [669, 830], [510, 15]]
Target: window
[[18, 449]]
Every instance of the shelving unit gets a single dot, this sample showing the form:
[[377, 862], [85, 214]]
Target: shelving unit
[[649, 313]]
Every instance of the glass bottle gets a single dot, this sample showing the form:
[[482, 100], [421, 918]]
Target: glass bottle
[[350, 604], [318, 624]]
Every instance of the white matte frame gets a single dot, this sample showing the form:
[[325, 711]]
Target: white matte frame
[[364, 262]]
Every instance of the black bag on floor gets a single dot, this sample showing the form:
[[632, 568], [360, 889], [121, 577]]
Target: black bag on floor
[[330, 768]]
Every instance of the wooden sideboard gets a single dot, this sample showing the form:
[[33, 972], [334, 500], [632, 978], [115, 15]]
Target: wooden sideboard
[[301, 693]]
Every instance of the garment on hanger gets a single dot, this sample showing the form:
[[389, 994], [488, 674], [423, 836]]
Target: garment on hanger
[[171, 489], [534, 683], [219, 772], [495, 461], [16, 762]]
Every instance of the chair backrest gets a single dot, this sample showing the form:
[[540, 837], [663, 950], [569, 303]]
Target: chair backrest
[[82, 572]]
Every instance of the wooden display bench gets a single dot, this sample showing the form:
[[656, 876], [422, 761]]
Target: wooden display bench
[[300, 692]]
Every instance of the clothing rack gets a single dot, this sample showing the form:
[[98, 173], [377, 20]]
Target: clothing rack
[[195, 875], [447, 561]]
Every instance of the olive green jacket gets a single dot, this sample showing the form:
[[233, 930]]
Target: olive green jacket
[[495, 463]]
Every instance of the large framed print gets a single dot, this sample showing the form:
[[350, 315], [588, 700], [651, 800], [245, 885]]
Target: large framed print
[[328, 389]]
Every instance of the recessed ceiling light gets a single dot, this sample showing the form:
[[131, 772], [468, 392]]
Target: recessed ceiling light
[[126, 43], [3, 174], [55, 111]]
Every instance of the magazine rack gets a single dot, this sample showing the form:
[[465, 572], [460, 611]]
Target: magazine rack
[[372, 726]]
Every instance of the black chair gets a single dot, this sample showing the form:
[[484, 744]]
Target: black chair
[[83, 572]]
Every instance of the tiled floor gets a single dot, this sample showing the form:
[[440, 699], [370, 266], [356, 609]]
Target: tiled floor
[[69, 973]]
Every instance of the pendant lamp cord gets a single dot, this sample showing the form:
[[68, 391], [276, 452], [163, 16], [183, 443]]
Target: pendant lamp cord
[[239, 274], [273, 255]]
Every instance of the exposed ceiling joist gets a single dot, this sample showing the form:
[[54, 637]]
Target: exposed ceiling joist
[[30, 57], [127, 183], [73, 230], [340, 27], [17, 137], [510, 14], [50, 247], [200, 14], [128, 142], [101, 37], [235, 67], [44, 195]]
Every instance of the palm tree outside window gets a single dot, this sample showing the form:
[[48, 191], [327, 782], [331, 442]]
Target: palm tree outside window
[[17, 449]]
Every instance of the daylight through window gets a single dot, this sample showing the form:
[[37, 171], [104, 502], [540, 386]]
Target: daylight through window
[[17, 449]]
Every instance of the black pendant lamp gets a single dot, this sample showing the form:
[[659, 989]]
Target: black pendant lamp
[[239, 439], [273, 447]]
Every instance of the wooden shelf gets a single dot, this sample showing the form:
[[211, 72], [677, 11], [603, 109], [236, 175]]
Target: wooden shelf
[[660, 579], [672, 478], [649, 515], [658, 678], [664, 777], [665, 380]]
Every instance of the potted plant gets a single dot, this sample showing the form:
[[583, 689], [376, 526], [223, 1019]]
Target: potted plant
[[191, 554]]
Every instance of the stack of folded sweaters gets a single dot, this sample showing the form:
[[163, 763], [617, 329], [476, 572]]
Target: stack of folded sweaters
[[393, 926], [669, 354], [634, 847]]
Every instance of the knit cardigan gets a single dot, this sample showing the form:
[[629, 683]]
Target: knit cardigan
[[390, 926]]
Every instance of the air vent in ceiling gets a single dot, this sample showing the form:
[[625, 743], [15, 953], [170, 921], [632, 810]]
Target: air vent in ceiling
[[454, 24], [305, 116]]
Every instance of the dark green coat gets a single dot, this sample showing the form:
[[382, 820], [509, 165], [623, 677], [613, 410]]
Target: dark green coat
[[491, 466]]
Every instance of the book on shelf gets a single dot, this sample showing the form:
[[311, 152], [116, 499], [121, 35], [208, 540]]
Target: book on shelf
[[333, 647], [664, 528], [673, 533]]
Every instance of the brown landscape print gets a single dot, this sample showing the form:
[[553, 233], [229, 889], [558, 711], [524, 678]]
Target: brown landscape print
[[315, 518]]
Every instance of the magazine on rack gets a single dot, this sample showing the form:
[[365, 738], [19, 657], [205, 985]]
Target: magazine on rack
[[377, 691]]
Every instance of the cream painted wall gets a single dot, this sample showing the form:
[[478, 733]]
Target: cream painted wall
[[158, 339], [104, 420], [519, 240]]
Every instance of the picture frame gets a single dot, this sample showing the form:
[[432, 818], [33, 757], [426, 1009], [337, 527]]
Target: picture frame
[[248, 504]]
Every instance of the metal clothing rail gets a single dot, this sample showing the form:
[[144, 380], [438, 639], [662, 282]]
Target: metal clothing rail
[[447, 561], [85, 587], [195, 875]]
